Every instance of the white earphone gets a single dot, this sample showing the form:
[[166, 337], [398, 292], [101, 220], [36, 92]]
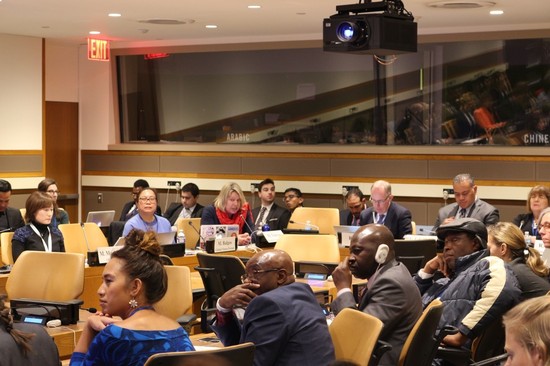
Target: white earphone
[[381, 253]]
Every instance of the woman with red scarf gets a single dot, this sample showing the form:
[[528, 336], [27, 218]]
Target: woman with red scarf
[[230, 208]]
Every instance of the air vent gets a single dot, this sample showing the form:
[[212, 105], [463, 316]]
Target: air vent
[[461, 4], [167, 21]]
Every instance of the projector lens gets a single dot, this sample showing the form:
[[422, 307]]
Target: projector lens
[[347, 32]]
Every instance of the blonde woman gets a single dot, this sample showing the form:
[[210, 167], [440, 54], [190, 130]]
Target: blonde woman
[[230, 208], [507, 242]]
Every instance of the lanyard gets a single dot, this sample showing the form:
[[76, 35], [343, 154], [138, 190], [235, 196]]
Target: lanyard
[[48, 247], [376, 217]]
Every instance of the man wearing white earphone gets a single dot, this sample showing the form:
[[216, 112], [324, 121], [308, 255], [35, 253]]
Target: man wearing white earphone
[[391, 294]]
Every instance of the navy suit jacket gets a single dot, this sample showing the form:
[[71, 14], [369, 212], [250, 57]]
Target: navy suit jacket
[[277, 219], [11, 218], [393, 297], [287, 325], [174, 210], [398, 220]]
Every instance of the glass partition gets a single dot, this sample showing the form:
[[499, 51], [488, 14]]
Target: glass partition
[[485, 92]]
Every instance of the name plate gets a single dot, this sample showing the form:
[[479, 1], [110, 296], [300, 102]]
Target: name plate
[[272, 236], [225, 244], [104, 253]]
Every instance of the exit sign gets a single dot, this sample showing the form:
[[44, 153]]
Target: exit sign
[[98, 49]]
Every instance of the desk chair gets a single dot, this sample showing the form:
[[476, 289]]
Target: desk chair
[[238, 355], [219, 273], [47, 276], [179, 296], [81, 238], [421, 344], [325, 218], [23, 213], [311, 248], [5, 246], [191, 228], [415, 253], [354, 336]]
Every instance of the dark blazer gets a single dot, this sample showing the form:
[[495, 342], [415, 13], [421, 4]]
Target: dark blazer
[[398, 220], [174, 210], [482, 211], [286, 324], [466, 129], [346, 217], [126, 210], [277, 219], [525, 223], [393, 297], [11, 219]]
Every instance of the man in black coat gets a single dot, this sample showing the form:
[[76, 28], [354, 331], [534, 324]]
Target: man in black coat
[[188, 208], [10, 218]]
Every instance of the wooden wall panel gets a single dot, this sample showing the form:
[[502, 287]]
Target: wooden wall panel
[[379, 168], [200, 164], [484, 170], [17, 162], [286, 167]]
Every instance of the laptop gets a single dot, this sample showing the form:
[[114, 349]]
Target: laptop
[[425, 230], [344, 233], [219, 231], [191, 228], [101, 218]]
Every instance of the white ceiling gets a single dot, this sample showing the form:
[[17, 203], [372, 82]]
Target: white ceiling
[[277, 20]]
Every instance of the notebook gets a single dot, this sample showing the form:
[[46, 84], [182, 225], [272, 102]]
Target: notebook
[[101, 218]]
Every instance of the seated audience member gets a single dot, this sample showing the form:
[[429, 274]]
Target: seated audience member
[[38, 234], [230, 208], [527, 333], [537, 200], [282, 317], [133, 281], [544, 230], [275, 216], [49, 186], [507, 242], [356, 203], [188, 208], [10, 218], [147, 219], [293, 198], [130, 209], [467, 204], [24, 344], [385, 212], [391, 294], [475, 288]]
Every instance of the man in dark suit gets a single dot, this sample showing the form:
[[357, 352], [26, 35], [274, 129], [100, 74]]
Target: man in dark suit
[[10, 218], [356, 202], [188, 208], [282, 317], [467, 204], [391, 294], [385, 212], [269, 212]]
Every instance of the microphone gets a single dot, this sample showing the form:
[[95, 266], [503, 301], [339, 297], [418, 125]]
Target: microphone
[[6, 230], [85, 237], [90, 310], [246, 223], [305, 224], [521, 223], [201, 239]]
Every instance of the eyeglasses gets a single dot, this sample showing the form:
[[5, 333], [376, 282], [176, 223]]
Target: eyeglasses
[[379, 202], [545, 226], [289, 197], [147, 199], [255, 272], [53, 192]]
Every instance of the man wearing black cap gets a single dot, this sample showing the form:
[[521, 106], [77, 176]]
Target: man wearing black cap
[[475, 288]]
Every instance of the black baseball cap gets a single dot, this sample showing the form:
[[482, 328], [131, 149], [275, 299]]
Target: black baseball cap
[[464, 225]]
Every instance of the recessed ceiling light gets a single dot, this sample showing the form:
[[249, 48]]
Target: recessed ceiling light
[[254, 7], [95, 32], [211, 26], [115, 15], [496, 12]]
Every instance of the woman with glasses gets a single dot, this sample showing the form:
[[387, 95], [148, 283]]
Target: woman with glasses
[[507, 242], [544, 229], [537, 200], [146, 218], [230, 208], [49, 186]]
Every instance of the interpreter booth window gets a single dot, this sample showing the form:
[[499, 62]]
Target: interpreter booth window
[[486, 92]]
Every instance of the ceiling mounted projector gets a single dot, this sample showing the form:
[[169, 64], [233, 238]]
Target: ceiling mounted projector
[[381, 28]]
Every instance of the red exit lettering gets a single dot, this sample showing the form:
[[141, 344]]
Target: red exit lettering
[[98, 49]]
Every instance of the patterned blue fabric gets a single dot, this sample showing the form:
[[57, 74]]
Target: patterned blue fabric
[[120, 346]]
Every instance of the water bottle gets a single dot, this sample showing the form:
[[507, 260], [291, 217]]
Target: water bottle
[[180, 238], [527, 239], [308, 225]]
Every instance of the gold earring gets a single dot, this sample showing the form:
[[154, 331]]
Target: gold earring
[[133, 303]]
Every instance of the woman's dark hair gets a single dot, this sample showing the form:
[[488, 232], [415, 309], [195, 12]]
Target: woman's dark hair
[[45, 183], [22, 339], [35, 202], [141, 255]]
